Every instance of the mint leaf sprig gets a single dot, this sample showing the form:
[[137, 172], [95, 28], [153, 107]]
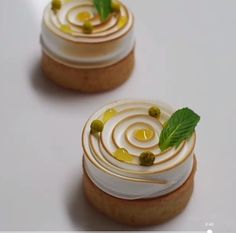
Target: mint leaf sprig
[[104, 8], [178, 128]]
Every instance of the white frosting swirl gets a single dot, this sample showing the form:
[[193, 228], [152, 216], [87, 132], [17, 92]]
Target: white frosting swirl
[[63, 38], [127, 179]]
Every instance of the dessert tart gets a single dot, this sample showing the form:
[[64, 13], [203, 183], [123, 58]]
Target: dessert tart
[[88, 45], [139, 161]]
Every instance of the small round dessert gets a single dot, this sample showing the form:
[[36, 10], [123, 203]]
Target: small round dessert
[[127, 176], [83, 52]]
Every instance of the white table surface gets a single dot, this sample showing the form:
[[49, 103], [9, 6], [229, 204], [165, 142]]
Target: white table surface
[[186, 56]]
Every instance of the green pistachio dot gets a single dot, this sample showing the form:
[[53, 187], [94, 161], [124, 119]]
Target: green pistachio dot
[[56, 5], [87, 27], [154, 112], [115, 6], [147, 158], [96, 127]]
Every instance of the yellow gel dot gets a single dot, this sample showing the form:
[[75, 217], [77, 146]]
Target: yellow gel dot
[[109, 114], [123, 155], [144, 135], [122, 22], [84, 16], [66, 28]]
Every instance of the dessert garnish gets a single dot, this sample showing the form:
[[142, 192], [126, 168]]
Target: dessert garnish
[[178, 128], [56, 5], [87, 27], [96, 127], [115, 6], [109, 114], [122, 22], [144, 135], [123, 155], [84, 16], [66, 28], [147, 158], [104, 8], [154, 112]]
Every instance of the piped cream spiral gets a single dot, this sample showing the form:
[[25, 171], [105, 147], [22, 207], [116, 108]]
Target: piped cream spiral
[[69, 20]]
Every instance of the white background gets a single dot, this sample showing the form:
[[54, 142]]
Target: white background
[[186, 56]]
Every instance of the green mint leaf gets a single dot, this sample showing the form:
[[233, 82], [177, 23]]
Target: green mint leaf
[[178, 128], [103, 7]]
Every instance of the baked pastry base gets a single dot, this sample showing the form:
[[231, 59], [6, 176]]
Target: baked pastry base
[[141, 212], [88, 80]]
